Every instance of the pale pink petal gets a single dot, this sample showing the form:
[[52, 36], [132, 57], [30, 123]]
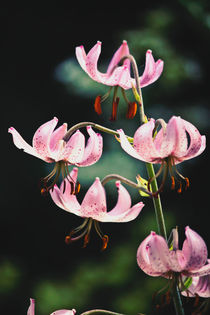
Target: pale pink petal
[[127, 147], [122, 51], [143, 143], [68, 203], [203, 271], [152, 70], [20, 143], [197, 142], [172, 141], [202, 288], [94, 202], [64, 312], [74, 148], [56, 136], [93, 149], [41, 139], [31, 309], [194, 250], [92, 63], [143, 258], [126, 216], [120, 77], [158, 254], [177, 260], [81, 57]]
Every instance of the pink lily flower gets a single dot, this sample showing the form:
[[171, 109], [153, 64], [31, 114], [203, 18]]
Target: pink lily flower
[[169, 146], [48, 145], [200, 286], [31, 310], [118, 76], [93, 207], [156, 259]]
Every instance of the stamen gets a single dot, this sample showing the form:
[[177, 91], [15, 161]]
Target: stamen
[[187, 183], [172, 182], [180, 188], [86, 240], [156, 175], [97, 105], [114, 108], [105, 240], [132, 109], [77, 188]]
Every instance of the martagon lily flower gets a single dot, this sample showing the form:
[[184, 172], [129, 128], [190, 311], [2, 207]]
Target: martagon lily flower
[[117, 75], [50, 146], [155, 257], [93, 208], [174, 143], [31, 310]]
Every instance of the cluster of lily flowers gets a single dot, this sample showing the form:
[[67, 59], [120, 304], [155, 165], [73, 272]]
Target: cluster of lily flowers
[[155, 141]]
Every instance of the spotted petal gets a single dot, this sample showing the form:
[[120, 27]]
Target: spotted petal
[[94, 202], [144, 257], [74, 148], [41, 139], [20, 143], [64, 312], [122, 212], [93, 149], [194, 250]]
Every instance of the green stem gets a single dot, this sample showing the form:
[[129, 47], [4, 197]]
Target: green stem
[[124, 180], [154, 189], [94, 125], [100, 312], [177, 299]]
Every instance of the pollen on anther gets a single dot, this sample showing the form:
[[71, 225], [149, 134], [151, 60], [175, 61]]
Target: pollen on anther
[[187, 183], [68, 239], [105, 240], [97, 105]]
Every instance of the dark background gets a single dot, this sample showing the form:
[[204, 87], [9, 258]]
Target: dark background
[[37, 41]]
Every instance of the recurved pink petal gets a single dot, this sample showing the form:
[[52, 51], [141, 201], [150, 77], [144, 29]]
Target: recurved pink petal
[[120, 77], [194, 249], [143, 143], [202, 287], [172, 141], [31, 309], [65, 202], [93, 149], [143, 258], [197, 142], [41, 139], [56, 136], [81, 57], [152, 70], [122, 51], [127, 147], [20, 143], [94, 202], [158, 254], [74, 148], [203, 271], [92, 62]]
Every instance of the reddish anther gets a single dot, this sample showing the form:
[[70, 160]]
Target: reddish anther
[[132, 109], [105, 240], [97, 105]]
